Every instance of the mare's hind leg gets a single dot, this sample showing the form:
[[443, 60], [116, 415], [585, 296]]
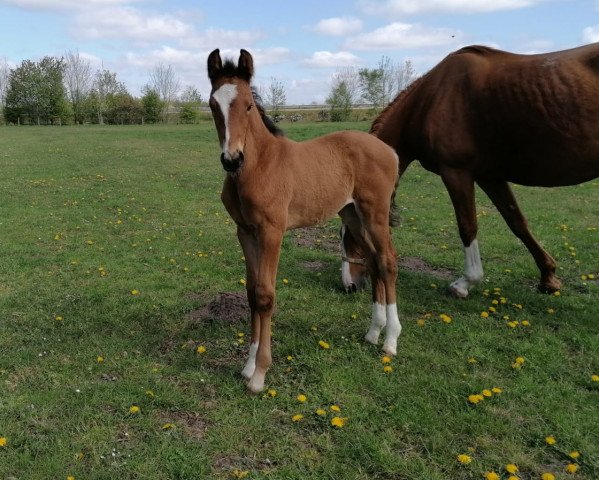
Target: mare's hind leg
[[460, 185], [503, 198]]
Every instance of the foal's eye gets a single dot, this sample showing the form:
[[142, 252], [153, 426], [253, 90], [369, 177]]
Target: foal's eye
[[250, 107]]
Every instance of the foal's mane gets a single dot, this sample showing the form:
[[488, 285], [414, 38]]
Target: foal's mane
[[230, 70], [379, 121]]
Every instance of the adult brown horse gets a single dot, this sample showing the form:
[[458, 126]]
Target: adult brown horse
[[492, 117], [274, 184]]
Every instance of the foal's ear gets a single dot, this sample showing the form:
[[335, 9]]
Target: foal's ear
[[245, 66], [215, 64]]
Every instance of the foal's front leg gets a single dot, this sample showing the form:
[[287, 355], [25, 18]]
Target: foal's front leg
[[248, 243], [265, 271]]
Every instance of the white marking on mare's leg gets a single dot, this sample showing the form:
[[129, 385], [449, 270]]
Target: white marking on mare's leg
[[250, 365], [473, 272], [224, 96], [379, 320], [392, 331]]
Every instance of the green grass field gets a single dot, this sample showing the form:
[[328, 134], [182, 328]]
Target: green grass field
[[115, 247]]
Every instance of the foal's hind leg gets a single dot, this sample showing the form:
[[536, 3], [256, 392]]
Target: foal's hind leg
[[503, 198], [460, 185]]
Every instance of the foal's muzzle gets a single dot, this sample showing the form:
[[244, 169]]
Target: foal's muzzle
[[231, 163]]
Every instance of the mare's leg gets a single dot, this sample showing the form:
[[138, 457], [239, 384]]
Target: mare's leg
[[268, 242], [460, 185], [249, 246], [503, 198]]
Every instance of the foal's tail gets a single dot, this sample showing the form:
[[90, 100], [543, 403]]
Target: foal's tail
[[394, 218]]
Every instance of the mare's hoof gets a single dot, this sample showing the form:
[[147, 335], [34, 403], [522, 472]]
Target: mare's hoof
[[550, 285], [458, 291]]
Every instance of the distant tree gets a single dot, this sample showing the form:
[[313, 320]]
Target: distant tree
[[190, 101], [340, 101], [380, 85], [4, 76], [151, 106], [123, 109], [164, 80], [275, 96], [104, 87], [36, 92], [78, 81]]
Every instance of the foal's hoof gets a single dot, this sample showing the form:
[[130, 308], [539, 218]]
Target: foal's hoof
[[390, 349], [351, 288], [256, 383], [372, 337], [458, 290], [550, 285]]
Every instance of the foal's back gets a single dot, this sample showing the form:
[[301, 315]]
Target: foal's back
[[324, 174]]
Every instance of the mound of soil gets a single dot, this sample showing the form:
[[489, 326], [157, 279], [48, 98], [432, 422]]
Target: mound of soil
[[227, 307], [417, 264]]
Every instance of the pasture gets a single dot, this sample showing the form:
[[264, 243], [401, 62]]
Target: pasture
[[122, 328]]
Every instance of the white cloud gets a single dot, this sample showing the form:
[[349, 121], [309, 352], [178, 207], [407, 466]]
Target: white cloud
[[128, 23], [590, 34], [413, 7], [398, 35], [338, 26], [219, 38], [62, 4], [326, 59]]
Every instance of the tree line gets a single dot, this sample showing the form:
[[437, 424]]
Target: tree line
[[66, 90]]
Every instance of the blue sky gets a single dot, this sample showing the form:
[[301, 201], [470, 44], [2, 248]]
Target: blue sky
[[300, 43]]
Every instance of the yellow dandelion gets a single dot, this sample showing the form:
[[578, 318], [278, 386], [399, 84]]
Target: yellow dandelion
[[445, 318], [575, 454], [492, 309], [420, 322], [594, 378], [464, 459], [302, 398], [519, 360], [387, 369], [513, 477], [100, 359], [168, 426], [547, 476], [491, 476], [487, 393], [525, 323], [271, 392], [297, 417], [385, 360], [324, 345], [201, 349], [289, 357], [495, 302], [512, 324], [591, 276], [484, 314], [496, 390], [511, 468], [475, 398], [335, 408], [550, 311], [550, 440], [3, 441], [571, 468], [242, 281], [134, 292], [240, 473], [338, 422], [58, 318], [70, 477], [321, 412], [134, 409], [285, 281], [557, 293], [472, 360]]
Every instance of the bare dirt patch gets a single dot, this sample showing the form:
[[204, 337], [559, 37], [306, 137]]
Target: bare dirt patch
[[191, 423], [231, 462], [226, 307], [418, 265], [321, 238], [313, 266]]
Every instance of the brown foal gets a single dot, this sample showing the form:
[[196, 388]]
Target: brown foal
[[274, 184]]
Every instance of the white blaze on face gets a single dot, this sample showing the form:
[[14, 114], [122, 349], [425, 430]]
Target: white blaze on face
[[224, 96]]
